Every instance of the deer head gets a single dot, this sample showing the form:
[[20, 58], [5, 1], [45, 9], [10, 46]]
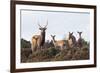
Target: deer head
[[53, 37], [43, 28], [70, 35], [79, 33]]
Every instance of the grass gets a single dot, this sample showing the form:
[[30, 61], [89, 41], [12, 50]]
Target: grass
[[53, 54], [50, 53]]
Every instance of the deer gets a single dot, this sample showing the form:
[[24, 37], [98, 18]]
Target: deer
[[34, 45], [79, 41], [58, 43], [39, 40], [71, 41]]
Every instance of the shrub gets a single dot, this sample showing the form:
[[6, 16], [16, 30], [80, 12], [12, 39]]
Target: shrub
[[85, 43], [43, 55], [53, 51], [85, 52], [65, 54], [25, 44], [25, 53], [50, 53]]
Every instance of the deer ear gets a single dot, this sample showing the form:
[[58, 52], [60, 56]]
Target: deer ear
[[80, 32], [72, 33]]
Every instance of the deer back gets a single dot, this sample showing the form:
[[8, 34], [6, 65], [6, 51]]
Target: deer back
[[34, 44]]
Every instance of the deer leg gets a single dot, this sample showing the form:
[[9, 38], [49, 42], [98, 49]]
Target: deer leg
[[61, 47], [32, 48]]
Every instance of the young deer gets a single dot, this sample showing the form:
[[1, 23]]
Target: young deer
[[58, 43], [41, 38], [71, 40], [79, 42]]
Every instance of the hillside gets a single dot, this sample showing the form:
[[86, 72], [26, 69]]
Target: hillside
[[50, 53]]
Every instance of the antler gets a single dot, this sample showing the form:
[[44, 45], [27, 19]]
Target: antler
[[46, 24], [53, 35], [39, 25]]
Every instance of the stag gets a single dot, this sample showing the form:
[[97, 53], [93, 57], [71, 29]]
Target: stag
[[71, 40], [34, 42], [39, 40], [58, 43], [79, 41]]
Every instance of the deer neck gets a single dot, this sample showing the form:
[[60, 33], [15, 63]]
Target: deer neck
[[54, 41], [80, 37], [73, 39], [43, 36]]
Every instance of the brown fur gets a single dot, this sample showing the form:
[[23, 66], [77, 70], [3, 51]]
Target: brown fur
[[71, 40], [58, 43], [34, 42], [39, 40], [79, 42]]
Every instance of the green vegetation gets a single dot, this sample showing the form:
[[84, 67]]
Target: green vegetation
[[43, 55], [25, 44], [50, 53]]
